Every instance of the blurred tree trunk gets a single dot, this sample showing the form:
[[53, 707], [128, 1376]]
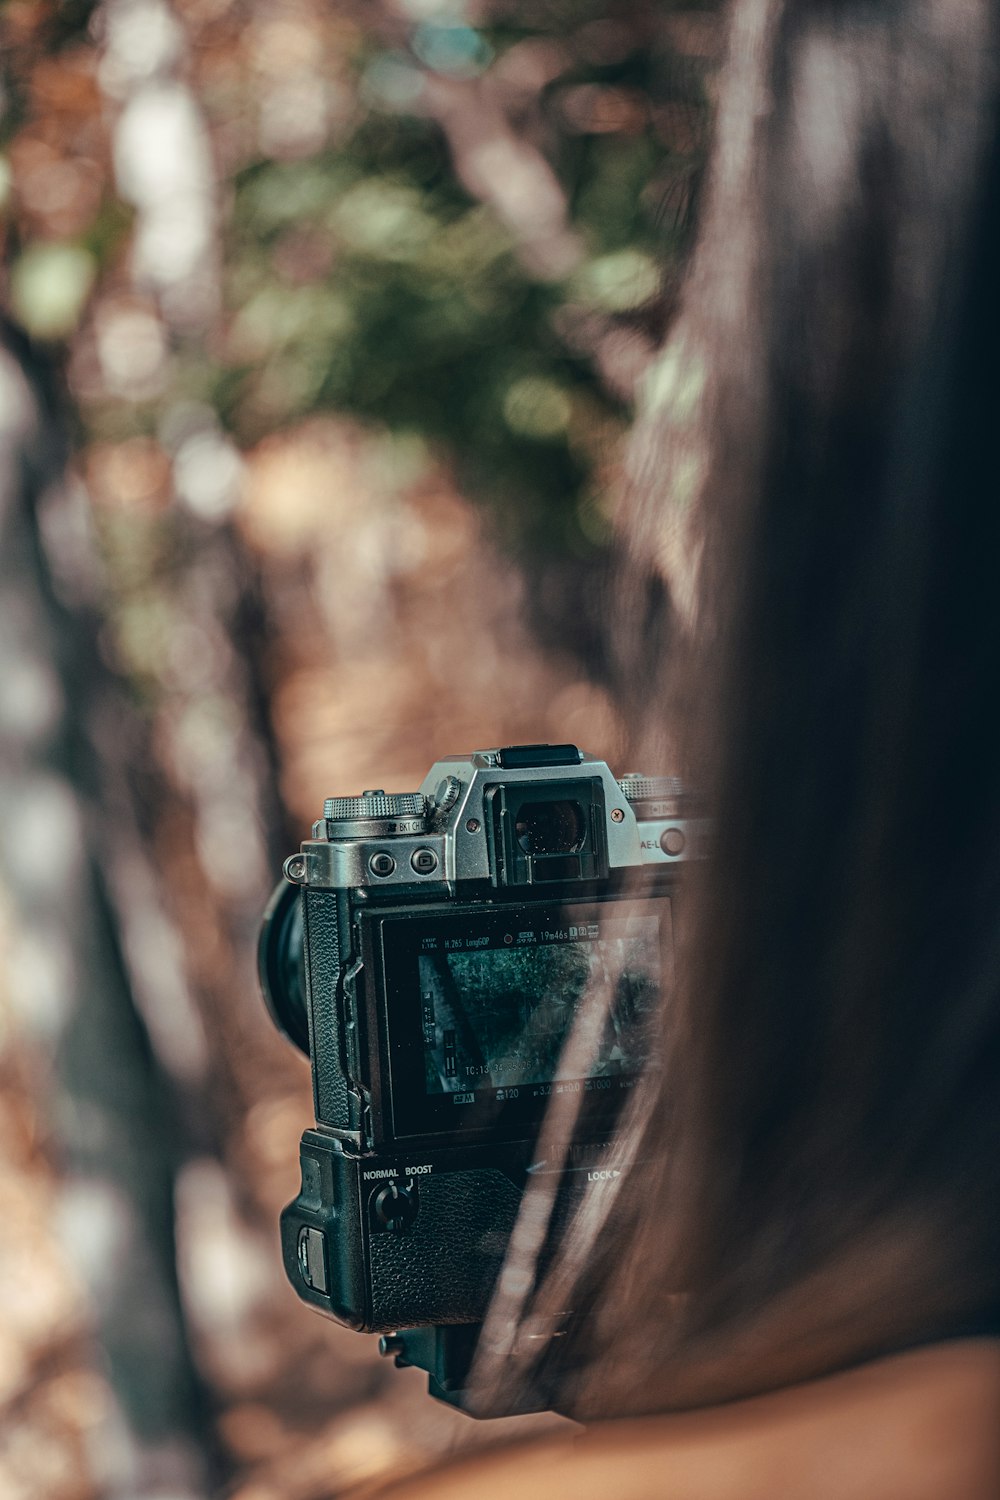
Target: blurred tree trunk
[[107, 1099]]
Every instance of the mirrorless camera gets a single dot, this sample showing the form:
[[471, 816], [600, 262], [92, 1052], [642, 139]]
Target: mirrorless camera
[[429, 951]]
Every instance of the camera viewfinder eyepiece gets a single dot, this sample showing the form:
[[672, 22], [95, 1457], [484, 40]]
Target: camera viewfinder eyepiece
[[547, 831]]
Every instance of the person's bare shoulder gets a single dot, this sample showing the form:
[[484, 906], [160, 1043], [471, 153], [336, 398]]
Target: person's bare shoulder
[[917, 1426]]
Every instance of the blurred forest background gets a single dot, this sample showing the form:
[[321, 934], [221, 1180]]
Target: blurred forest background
[[323, 323]]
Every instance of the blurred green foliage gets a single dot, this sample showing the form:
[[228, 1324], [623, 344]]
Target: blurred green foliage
[[425, 320], [364, 274], [369, 280]]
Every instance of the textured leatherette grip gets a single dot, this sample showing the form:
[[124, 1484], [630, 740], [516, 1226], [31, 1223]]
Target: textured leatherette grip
[[322, 973], [443, 1269]]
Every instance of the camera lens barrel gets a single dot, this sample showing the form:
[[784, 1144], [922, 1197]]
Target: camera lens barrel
[[280, 965]]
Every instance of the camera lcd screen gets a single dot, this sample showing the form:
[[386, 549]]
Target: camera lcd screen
[[480, 1007]]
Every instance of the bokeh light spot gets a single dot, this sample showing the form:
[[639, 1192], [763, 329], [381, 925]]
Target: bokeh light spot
[[618, 282], [537, 407], [459, 51], [49, 286]]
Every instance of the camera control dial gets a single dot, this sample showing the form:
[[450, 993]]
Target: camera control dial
[[654, 796], [447, 794], [651, 788], [375, 813], [395, 1206]]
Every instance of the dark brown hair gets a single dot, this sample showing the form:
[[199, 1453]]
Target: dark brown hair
[[817, 480]]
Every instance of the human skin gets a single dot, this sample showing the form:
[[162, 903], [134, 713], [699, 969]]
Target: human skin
[[922, 1425]]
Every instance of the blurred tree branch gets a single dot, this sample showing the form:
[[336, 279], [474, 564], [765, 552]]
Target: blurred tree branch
[[106, 1095]]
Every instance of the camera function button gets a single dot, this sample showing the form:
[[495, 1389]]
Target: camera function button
[[424, 861], [312, 1258], [382, 864], [672, 841]]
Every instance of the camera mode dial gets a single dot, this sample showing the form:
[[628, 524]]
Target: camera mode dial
[[375, 813], [651, 788], [657, 796]]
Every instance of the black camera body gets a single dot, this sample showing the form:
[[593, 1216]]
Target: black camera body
[[429, 951]]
